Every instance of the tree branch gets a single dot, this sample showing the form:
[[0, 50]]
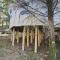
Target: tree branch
[[43, 1], [34, 15], [55, 4], [35, 10], [57, 24], [56, 12]]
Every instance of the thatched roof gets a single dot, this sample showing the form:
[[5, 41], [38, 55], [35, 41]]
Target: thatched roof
[[20, 19], [29, 20]]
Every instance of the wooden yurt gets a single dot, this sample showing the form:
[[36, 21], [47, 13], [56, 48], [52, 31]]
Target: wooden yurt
[[26, 26]]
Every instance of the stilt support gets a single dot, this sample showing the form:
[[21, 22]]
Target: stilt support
[[36, 30], [31, 36], [27, 36], [39, 38], [13, 37], [17, 37], [23, 40]]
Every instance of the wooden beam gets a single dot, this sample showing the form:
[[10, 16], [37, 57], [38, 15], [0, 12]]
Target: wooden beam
[[23, 40], [39, 38], [27, 36], [58, 35], [36, 30], [31, 36], [13, 36], [17, 36]]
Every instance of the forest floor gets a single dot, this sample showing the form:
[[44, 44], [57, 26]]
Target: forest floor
[[7, 52]]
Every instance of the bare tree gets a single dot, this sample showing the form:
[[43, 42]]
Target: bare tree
[[51, 5]]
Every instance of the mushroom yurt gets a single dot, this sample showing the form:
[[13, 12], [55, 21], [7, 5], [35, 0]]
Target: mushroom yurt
[[27, 26]]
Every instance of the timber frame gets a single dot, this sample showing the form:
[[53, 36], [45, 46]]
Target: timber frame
[[28, 33]]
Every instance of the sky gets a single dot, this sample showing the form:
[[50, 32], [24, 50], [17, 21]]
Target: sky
[[57, 16]]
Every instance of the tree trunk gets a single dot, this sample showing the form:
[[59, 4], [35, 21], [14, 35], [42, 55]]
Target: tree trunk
[[52, 41], [52, 46]]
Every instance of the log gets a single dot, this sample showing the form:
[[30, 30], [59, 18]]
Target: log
[[39, 38], [13, 36], [27, 36], [36, 30], [31, 36], [23, 40], [17, 36]]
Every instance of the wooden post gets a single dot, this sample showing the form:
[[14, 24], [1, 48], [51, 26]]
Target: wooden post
[[31, 36], [13, 37], [17, 37], [35, 49], [38, 37], [27, 36], [23, 40], [58, 35]]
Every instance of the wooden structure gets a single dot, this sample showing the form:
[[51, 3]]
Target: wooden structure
[[28, 25], [57, 29]]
